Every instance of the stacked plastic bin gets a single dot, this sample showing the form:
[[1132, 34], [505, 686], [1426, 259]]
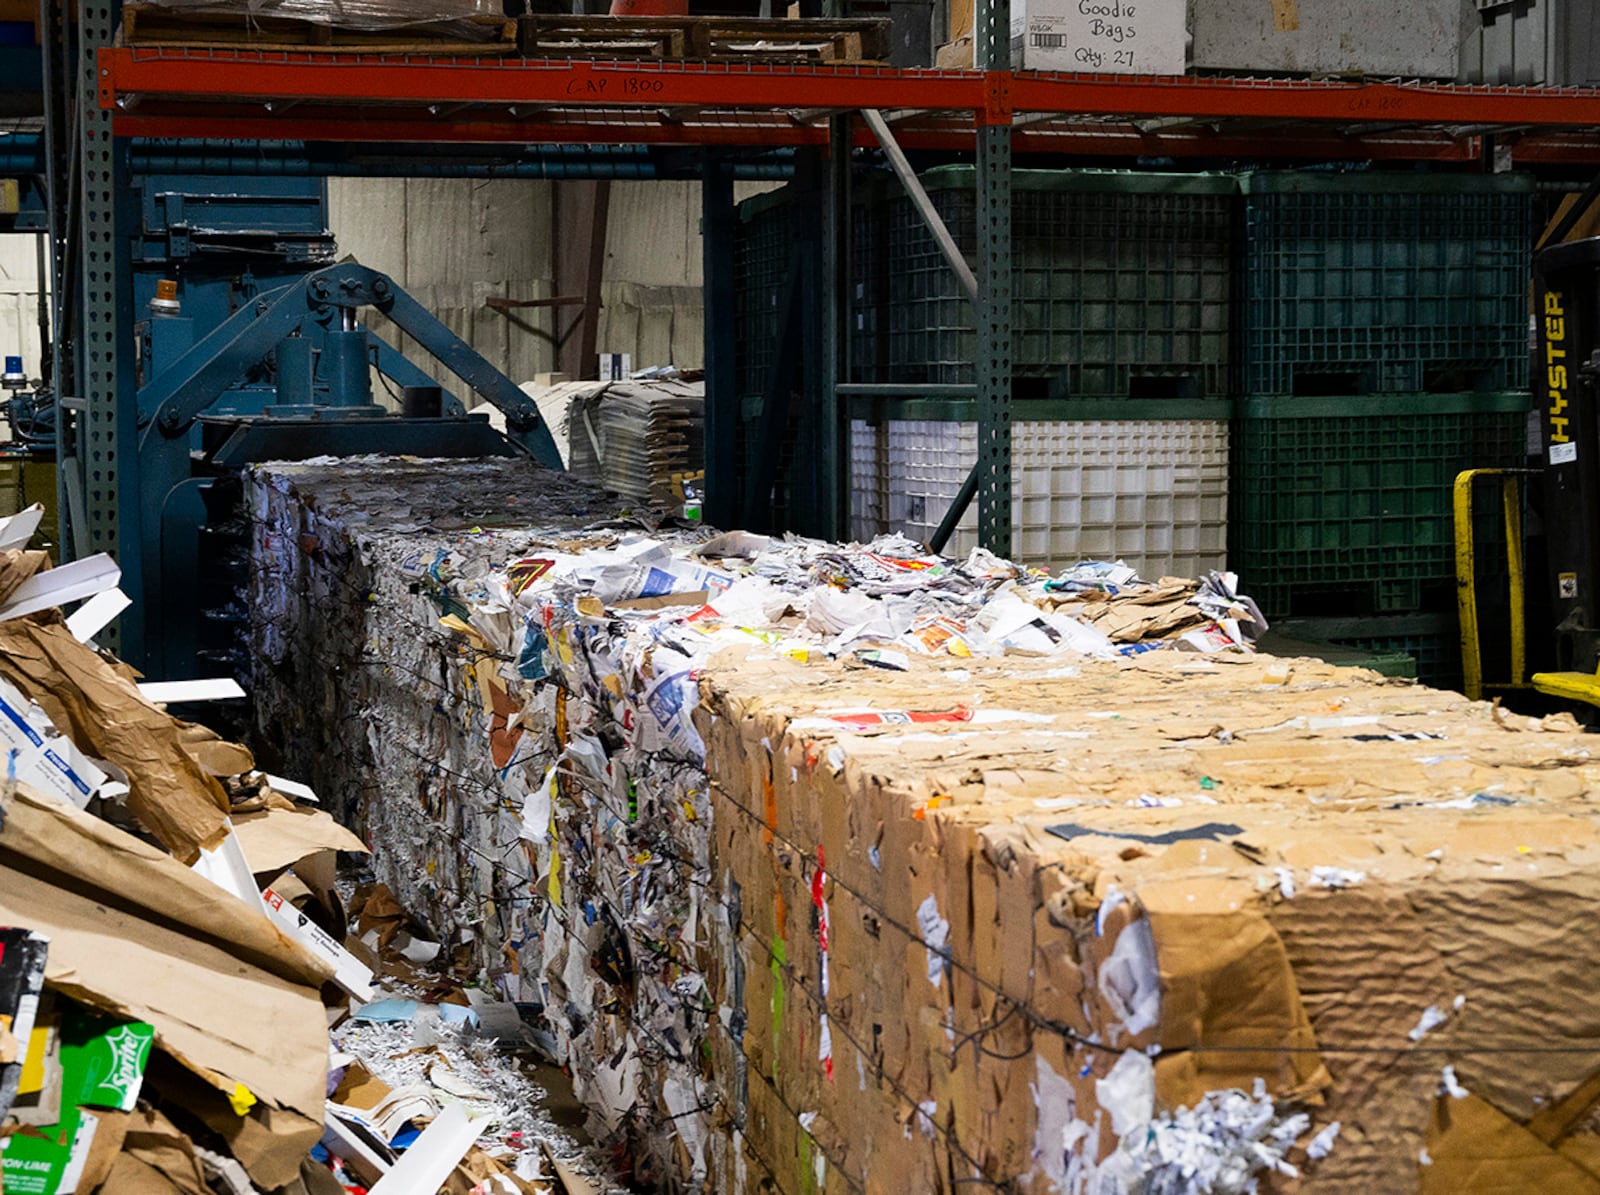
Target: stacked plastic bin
[[1120, 283], [1121, 286], [762, 248], [763, 256], [1150, 490], [1384, 333]]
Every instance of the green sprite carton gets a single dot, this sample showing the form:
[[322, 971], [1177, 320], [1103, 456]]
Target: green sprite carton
[[103, 1062]]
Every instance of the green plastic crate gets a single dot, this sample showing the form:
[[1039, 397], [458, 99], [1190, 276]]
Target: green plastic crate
[[1121, 283], [1345, 504], [761, 254], [763, 250], [1431, 640], [1375, 283], [1382, 661]]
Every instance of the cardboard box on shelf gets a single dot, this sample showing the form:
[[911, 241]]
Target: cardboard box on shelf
[[1112, 37], [956, 52], [1108, 37]]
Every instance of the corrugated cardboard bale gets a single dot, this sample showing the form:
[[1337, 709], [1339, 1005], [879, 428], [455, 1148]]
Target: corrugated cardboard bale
[[1474, 1147], [1334, 978]]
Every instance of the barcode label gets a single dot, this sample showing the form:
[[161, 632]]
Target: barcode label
[[1052, 41]]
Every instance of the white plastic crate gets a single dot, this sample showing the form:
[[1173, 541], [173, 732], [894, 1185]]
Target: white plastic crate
[[869, 477], [1151, 492]]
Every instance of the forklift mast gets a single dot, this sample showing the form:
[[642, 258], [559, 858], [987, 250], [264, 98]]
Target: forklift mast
[[1566, 384]]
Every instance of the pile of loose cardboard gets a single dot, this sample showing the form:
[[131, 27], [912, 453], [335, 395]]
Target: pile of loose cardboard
[[123, 894], [172, 946]]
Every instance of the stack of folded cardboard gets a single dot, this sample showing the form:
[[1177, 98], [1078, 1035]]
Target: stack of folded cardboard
[[174, 948], [629, 437]]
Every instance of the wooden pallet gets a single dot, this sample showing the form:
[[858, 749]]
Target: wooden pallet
[[159, 25], [716, 39]]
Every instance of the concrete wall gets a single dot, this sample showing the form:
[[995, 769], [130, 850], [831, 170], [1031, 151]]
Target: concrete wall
[[652, 293], [19, 304], [653, 272], [455, 242]]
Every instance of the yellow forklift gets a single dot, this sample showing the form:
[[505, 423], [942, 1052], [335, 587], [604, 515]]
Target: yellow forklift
[[1564, 486]]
